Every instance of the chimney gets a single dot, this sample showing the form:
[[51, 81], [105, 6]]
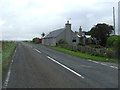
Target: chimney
[[68, 25], [68, 33], [80, 31]]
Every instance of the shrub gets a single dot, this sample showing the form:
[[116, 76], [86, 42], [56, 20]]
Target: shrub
[[94, 53], [62, 41], [112, 41], [80, 44], [36, 40]]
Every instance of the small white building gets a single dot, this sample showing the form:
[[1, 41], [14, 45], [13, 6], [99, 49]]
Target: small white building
[[64, 33]]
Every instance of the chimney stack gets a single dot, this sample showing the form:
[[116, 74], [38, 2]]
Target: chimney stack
[[80, 31], [68, 25]]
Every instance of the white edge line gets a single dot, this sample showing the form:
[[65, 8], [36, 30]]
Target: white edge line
[[15, 50], [65, 67], [95, 61], [37, 51], [114, 67], [103, 64], [89, 60], [8, 75]]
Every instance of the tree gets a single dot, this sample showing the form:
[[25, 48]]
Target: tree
[[36, 40], [101, 32], [43, 34]]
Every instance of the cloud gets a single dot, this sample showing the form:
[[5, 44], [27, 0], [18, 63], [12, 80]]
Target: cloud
[[25, 19]]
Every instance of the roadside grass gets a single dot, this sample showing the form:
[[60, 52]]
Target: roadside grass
[[84, 55], [29, 42], [0, 58], [7, 53]]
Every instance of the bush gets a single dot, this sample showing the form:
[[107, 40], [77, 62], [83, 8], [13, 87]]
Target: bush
[[36, 40], [94, 53], [117, 47], [80, 44], [112, 41], [62, 41]]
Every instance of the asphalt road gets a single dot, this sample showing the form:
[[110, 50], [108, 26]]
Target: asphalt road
[[36, 66]]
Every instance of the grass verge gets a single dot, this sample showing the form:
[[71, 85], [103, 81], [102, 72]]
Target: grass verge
[[84, 55], [0, 59], [7, 53], [29, 42]]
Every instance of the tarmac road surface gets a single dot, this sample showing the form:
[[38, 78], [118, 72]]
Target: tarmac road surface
[[36, 66]]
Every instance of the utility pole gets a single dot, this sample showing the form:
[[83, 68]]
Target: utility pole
[[114, 19]]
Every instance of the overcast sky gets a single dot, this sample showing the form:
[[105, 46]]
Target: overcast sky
[[26, 19]]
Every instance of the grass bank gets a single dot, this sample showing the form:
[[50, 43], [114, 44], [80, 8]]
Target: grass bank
[[7, 53], [29, 42], [0, 59], [84, 55]]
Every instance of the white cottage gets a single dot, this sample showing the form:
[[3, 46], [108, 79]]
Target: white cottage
[[64, 33]]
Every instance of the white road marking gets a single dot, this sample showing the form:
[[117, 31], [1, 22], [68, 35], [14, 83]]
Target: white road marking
[[8, 75], [85, 66], [95, 61], [103, 64], [37, 51], [15, 50], [114, 67], [89, 60], [65, 67]]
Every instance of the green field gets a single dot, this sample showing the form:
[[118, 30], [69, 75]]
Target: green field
[[84, 55], [0, 58], [7, 53]]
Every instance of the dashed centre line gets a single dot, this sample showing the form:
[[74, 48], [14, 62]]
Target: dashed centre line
[[37, 51], [65, 67]]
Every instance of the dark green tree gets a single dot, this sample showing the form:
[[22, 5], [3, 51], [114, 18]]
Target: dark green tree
[[43, 34], [36, 40], [101, 32]]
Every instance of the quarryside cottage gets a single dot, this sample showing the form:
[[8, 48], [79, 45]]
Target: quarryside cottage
[[64, 33]]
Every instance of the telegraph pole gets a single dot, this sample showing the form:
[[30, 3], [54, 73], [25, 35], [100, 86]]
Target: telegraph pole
[[114, 19]]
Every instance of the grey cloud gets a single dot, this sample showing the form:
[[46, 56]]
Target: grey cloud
[[21, 23]]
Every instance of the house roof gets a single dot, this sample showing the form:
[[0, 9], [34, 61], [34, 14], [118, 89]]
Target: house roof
[[55, 33]]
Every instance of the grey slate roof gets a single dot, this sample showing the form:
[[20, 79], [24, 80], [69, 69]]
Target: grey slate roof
[[55, 33]]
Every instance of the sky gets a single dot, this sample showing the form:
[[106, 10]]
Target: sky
[[27, 19]]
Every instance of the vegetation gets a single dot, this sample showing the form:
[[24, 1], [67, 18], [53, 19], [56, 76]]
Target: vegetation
[[62, 41], [36, 40], [84, 55], [0, 59], [7, 53], [30, 42], [112, 41], [101, 32], [80, 44], [118, 47], [43, 34]]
